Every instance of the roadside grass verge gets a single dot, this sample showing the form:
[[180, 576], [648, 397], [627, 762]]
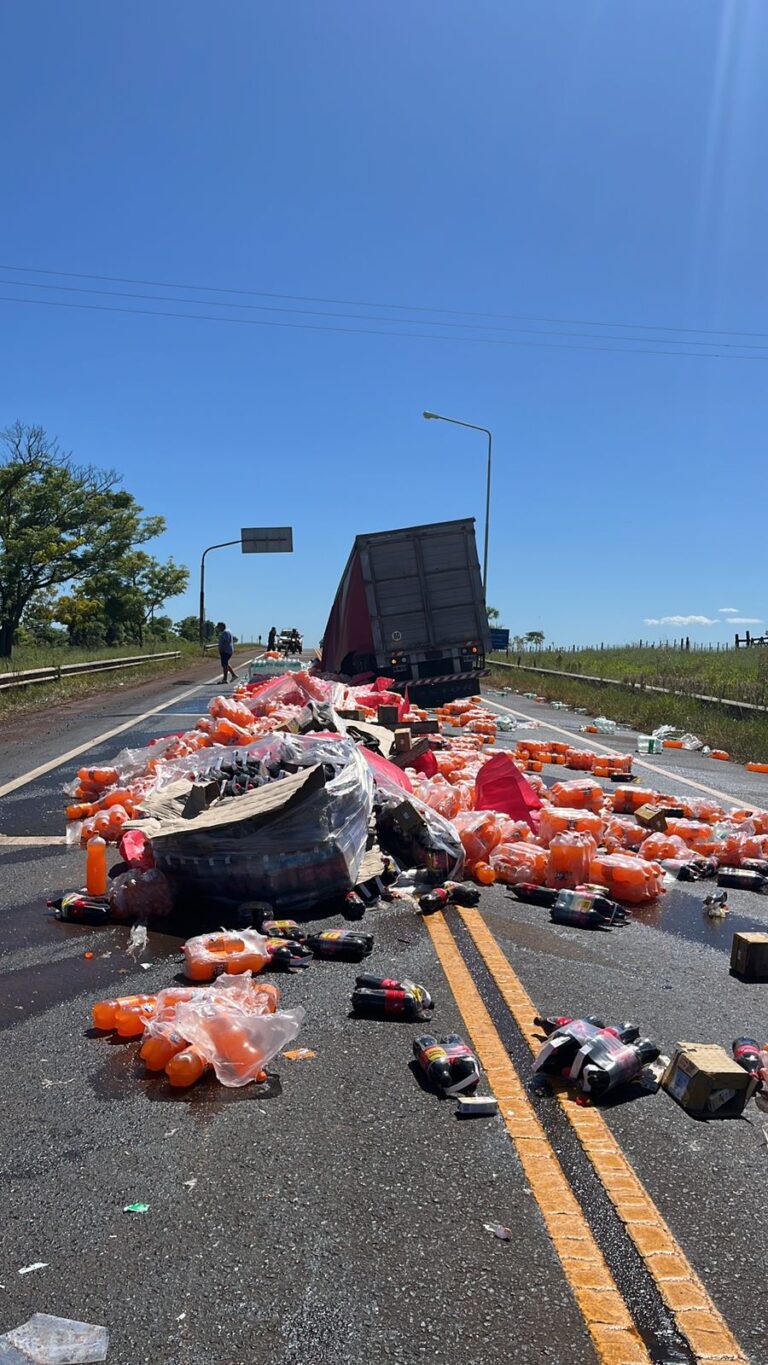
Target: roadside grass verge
[[47, 696], [741, 674], [745, 739]]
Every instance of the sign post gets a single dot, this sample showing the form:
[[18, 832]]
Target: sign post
[[254, 540]]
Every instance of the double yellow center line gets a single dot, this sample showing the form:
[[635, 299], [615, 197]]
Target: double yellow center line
[[614, 1335]]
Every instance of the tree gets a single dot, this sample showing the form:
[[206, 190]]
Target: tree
[[84, 618], [493, 615], [63, 523], [37, 624], [189, 629], [126, 593], [535, 638]]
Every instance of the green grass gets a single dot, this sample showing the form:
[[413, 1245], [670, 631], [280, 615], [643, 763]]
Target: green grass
[[47, 656], [46, 696], [741, 674], [744, 739]]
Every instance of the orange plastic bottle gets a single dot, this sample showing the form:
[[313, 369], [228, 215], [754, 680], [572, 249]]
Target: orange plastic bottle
[[157, 1051], [96, 867], [130, 1019], [104, 1012], [483, 873], [186, 1067], [569, 858]]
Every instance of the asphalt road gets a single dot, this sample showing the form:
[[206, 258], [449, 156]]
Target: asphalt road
[[337, 1214]]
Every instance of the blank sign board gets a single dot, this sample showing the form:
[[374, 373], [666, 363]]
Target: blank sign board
[[266, 540]]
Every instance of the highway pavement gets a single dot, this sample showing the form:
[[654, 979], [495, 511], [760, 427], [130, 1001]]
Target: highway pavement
[[338, 1213]]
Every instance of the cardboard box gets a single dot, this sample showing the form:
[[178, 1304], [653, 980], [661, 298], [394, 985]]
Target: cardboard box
[[387, 715], [749, 956], [405, 758], [403, 740], [651, 817], [707, 1082]]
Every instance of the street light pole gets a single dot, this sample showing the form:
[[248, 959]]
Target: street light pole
[[220, 546], [438, 417]]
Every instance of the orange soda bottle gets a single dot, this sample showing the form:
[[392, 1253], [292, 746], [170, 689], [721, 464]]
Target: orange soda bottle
[[186, 1066], [96, 867]]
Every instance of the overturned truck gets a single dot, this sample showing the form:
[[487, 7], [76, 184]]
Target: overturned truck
[[410, 605]]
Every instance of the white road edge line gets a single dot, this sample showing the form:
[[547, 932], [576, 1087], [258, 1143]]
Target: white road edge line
[[595, 744], [100, 739], [31, 840]]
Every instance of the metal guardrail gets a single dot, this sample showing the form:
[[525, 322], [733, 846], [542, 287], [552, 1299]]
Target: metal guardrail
[[30, 676], [633, 686]]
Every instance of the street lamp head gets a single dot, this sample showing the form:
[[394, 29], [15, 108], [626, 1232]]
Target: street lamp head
[[429, 414]]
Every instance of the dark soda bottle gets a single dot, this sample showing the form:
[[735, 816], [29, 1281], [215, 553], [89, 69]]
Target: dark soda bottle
[[465, 1068], [283, 928], [367, 981], [755, 865], [391, 1004], [690, 869], [78, 908], [579, 918], [349, 945], [607, 1062], [354, 905], [744, 879], [570, 903], [433, 1060], [462, 893], [433, 900], [287, 955], [562, 1045], [746, 1051]]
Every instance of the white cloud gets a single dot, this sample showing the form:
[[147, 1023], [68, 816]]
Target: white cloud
[[728, 611], [745, 620], [681, 621]]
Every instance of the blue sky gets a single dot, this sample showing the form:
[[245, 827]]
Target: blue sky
[[593, 163]]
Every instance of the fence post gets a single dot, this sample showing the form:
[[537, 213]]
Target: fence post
[[58, 673]]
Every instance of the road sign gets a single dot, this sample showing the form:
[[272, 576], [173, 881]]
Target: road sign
[[499, 637], [265, 540]]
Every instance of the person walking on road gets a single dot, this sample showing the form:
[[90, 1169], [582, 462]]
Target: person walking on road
[[272, 638], [226, 650]]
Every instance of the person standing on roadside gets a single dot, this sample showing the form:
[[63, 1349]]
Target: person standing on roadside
[[226, 650], [272, 638]]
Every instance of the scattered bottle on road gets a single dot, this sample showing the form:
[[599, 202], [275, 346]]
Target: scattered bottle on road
[[585, 908], [608, 1061], [96, 866], [462, 893], [434, 900], [354, 905], [390, 999], [747, 1052], [744, 879], [450, 1065], [349, 945], [79, 908]]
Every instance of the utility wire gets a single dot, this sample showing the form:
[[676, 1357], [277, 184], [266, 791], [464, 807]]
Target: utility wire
[[369, 317], [370, 331], [367, 303]]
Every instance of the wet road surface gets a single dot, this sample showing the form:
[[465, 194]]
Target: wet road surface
[[338, 1212]]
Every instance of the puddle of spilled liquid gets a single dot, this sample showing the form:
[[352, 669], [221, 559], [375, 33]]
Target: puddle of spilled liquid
[[681, 913], [123, 1073], [30, 991]]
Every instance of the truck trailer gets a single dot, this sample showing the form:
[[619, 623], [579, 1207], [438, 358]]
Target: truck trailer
[[410, 605]]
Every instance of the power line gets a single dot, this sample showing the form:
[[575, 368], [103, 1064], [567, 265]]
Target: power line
[[367, 303], [369, 331], [369, 317]]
